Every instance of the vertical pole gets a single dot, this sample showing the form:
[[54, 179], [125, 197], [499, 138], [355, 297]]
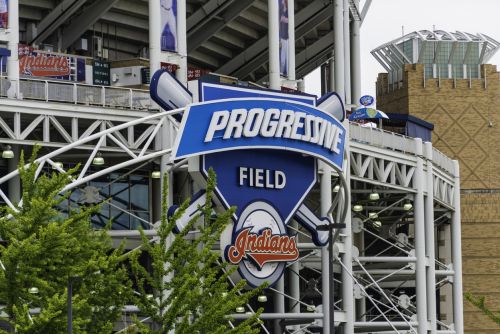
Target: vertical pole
[[14, 183], [419, 224], [274, 47], [324, 81], [347, 282], [294, 281], [331, 74], [429, 240], [326, 201], [291, 40], [181, 73], [347, 54], [355, 60], [70, 306], [13, 60], [456, 256], [154, 36], [275, 83], [338, 48]]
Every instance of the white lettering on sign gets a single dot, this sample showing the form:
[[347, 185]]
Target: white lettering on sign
[[275, 123], [262, 178]]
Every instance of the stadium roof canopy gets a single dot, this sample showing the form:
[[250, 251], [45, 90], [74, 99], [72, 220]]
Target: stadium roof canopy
[[224, 36]]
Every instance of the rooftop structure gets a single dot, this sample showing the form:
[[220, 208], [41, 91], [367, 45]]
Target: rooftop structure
[[444, 54]]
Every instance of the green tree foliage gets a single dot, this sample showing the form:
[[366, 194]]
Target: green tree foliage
[[192, 292], [45, 248], [479, 303]]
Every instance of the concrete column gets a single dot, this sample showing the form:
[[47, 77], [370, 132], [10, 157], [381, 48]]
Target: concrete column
[[274, 44], [331, 74], [13, 60], [419, 224], [429, 239], [181, 73], [14, 183], [456, 255]]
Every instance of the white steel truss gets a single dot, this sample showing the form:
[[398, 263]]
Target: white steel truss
[[387, 256]]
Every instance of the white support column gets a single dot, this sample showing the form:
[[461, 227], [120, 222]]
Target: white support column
[[347, 54], [275, 83], [347, 281], [326, 201], [338, 48], [355, 60], [13, 60], [419, 225], [274, 44], [291, 40], [181, 73], [456, 255], [429, 239], [154, 36]]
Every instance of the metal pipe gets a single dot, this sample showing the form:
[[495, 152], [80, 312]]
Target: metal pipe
[[338, 28], [181, 73], [294, 282], [326, 272], [456, 255], [419, 225], [429, 240], [383, 324], [14, 183], [274, 47], [347, 54], [401, 259], [291, 40], [355, 59]]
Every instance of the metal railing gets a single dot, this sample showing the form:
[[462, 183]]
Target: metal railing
[[396, 142], [441, 160], [78, 93], [381, 138]]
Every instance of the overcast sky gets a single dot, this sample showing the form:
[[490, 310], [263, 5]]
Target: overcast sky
[[386, 17]]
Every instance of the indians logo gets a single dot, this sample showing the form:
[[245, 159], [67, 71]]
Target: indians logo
[[262, 248], [43, 65]]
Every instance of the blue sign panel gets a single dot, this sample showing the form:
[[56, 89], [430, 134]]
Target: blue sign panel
[[277, 177], [211, 91], [260, 123]]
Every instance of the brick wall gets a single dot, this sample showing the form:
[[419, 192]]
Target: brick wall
[[466, 118]]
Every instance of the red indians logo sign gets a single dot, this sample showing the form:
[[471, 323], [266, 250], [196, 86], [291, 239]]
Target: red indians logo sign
[[43, 65], [262, 248]]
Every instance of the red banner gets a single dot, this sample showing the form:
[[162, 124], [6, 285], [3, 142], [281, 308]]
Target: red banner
[[192, 74], [41, 65]]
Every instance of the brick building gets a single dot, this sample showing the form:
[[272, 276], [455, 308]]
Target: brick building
[[443, 78]]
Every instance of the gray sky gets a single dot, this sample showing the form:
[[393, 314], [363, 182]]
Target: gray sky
[[386, 17]]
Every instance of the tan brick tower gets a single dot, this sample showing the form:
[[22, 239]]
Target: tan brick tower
[[442, 78]]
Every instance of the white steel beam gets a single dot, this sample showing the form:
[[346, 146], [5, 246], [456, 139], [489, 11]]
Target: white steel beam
[[456, 255], [88, 17], [205, 31], [57, 17]]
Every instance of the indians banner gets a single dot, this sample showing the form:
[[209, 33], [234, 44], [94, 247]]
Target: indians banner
[[42, 65]]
